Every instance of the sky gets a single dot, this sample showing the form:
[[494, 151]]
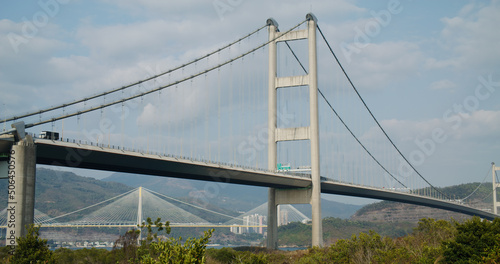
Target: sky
[[429, 70]]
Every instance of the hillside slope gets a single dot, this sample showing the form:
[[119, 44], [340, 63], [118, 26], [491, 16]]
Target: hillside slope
[[59, 192], [386, 211]]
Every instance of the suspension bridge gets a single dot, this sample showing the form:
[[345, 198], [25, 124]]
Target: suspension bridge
[[208, 120]]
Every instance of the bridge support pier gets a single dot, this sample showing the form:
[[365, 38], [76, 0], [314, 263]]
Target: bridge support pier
[[311, 195], [284, 196], [21, 187], [272, 220]]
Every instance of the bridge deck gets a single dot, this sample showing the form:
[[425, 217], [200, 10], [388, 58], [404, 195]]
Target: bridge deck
[[59, 153], [66, 154]]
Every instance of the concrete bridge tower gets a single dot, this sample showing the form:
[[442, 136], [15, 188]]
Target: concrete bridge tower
[[310, 195]]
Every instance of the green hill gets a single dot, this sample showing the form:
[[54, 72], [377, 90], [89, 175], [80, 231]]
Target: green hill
[[59, 192], [474, 194]]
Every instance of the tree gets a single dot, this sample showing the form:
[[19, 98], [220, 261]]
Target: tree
[[476, 240], [32, 249], [436, 231], [128, 244], [171, 250]]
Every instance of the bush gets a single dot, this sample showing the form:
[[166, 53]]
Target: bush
[[32, 249], [128, 243], [223, 255], [171, 250]]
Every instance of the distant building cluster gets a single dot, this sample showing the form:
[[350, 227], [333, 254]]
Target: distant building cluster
[[255, 223], [82, 244], [251, 224]]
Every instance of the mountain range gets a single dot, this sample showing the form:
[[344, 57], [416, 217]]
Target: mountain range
[[60, 192], [240, 198]]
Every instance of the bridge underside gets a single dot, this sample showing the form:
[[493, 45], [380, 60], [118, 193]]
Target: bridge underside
[[59, 153], [387, 195]]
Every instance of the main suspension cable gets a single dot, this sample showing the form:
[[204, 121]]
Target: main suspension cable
[[480, 184], [342, 121], [132, 84], [158, 88], [373, 116]]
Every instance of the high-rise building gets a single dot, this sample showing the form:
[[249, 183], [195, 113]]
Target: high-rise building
[[250, 224], [283, 217]]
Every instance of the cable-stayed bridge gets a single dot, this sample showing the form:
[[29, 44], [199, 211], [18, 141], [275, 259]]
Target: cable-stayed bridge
[[131, 209], [264, 110]]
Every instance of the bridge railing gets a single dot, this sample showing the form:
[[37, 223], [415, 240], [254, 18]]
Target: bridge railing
[[167, 155], [236, 166]]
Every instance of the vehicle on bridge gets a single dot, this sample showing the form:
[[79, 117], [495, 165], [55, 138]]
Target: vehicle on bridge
[[49, 135]]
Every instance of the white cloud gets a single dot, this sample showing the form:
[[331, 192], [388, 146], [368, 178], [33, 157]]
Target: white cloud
[[479, 125], [20, 40], [443, 85], [382, 63], [174, 10], [445, 151], [240, 11], [129, 42], [475, 127], [24, 64], [472, 37], [177, 104]]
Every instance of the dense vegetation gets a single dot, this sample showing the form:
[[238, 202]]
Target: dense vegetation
[[441, 241], [298, 234], [474, 241], [156, 247]]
